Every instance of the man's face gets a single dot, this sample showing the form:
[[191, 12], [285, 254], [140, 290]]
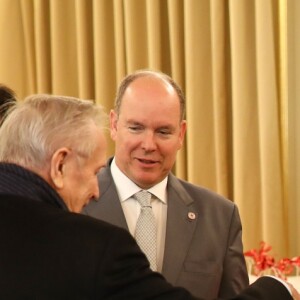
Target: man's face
[[80, 184], [148, 131]]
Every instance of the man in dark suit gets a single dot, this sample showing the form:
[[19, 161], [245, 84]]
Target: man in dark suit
[[51, 149], [199, 233]]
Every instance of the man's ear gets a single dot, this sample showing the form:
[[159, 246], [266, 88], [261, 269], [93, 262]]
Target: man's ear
[[182, 133], [57, 167], [113, 119]]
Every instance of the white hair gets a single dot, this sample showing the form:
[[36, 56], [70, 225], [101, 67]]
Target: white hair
[[36, 127]]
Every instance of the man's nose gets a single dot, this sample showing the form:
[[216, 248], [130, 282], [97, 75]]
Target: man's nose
[[149, 141], [96, 191]]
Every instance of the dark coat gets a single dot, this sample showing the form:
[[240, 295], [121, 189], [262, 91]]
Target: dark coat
[[47, 252]]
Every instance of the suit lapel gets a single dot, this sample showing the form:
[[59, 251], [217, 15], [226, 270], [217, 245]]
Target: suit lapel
[[181, 224], [108, 208], [180, 227]]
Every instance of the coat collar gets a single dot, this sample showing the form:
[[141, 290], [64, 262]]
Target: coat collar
[[16, 180]]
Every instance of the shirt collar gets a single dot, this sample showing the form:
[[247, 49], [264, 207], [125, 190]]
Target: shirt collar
[[127, 188]]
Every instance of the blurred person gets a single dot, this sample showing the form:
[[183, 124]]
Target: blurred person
[[7, 99], [199, 233], [51, 149]]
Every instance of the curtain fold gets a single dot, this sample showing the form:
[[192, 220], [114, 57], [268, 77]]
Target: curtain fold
[[177, 65], [289, 31], [85, 53], [43, 57], [229, 57], [64, 53], [245, 147], [220, 98], [154, 29], [27, 21]]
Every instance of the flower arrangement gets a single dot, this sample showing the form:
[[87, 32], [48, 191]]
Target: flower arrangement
[[261, 262]]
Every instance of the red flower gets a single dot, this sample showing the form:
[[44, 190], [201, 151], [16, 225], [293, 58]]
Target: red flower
[[263, 261]]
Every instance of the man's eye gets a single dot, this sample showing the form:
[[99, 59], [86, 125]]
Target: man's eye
[[164, 132], [135, 128]]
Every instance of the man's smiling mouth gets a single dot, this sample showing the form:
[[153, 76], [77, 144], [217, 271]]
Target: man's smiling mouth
[[147, 161]]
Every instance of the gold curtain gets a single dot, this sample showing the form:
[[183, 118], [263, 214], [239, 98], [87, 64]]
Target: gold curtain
[[293, 48], [228, 56]]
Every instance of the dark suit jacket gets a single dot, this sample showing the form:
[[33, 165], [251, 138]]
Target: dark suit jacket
[[204, 255], [47, 252]]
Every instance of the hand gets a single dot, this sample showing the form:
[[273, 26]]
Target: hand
[[295, 293]]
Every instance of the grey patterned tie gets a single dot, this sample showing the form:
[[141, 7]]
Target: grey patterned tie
[[145, 232]]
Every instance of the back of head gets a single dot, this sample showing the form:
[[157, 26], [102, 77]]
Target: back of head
[[39, 125], [7, 99]]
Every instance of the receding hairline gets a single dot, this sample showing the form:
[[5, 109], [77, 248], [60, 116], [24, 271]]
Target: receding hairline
[[129, 79]]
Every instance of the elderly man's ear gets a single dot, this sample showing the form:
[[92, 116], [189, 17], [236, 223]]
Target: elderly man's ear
[[58, 167]]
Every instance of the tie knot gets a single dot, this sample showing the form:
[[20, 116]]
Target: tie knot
[[143, 197]]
